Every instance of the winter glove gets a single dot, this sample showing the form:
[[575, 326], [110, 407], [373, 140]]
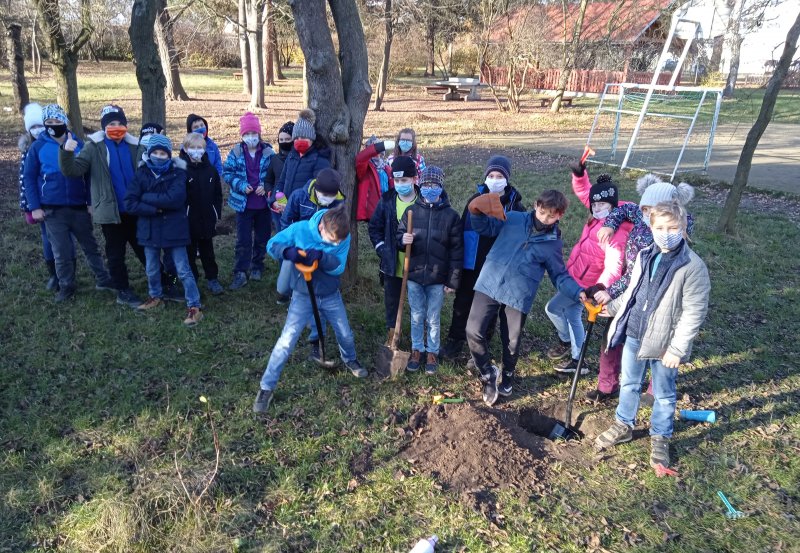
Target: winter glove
[[293, 254], [312, 256], [488, 204], [578, 168], [592, 290], [380, 250]]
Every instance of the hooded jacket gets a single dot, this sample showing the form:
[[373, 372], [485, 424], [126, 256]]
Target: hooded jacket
[[437, 253], [24, 145], [212, 150], [303, 204], [204, 197], [305, 235], [94, 159], [369, 181], [235, 174], [476, 247], [45, 184], [298, 170], [160, 204]]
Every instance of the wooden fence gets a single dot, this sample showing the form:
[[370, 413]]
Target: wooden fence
[[581, 80]]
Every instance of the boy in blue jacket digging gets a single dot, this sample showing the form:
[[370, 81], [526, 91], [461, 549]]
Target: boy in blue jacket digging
[[325, 238], [527, 245]]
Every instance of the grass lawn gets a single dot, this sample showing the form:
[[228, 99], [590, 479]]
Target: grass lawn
[[106, 445]]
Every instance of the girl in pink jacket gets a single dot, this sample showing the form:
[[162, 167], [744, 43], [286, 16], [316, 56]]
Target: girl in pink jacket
[[591, 264]]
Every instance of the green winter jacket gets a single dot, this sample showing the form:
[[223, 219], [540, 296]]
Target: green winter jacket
[[93, 159]]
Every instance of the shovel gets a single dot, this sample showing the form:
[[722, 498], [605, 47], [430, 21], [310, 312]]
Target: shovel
[[306, 271], [391, 361], [565, 431]]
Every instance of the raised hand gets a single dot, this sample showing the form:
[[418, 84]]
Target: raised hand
[[71, 144]]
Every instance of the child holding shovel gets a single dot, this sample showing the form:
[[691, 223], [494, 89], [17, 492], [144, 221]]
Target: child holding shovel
[[323, 240]]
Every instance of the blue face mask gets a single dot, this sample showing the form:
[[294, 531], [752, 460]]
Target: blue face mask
[[158, 165], [431, 195], [404, 189], [200, 130], [405, 145]]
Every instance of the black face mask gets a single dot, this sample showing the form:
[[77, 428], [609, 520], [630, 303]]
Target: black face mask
[[56, 131], [285, 146], [539, 226]]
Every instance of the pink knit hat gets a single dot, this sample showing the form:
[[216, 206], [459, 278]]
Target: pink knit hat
[[249, 123]]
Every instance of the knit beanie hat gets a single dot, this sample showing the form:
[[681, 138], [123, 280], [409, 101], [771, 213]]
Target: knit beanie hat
[[112, 113], [159, 142], [32, 115], [287, 127], [431, 175], [304, 127], [151, 128], [604, 190], [191, 119], [654, 191], [499, 163], [403, 166], [249, 123], [328, 182], [54, 111]]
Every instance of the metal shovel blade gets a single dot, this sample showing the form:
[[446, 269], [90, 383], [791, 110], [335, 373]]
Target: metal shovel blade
[[560, 432], [390, 362]]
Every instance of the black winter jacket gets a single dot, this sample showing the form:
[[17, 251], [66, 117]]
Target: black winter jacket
[[383, 231], [274, 172], [204, 197], [299, 170], [437, 253]]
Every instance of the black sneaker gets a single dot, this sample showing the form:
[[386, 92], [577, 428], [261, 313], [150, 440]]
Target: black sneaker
[[618, 433], [127, 297], [174, 293], [315, 355], [263, 399], [490, 382], [65, 293], [568, 367], [559, 350], [505, 386], [283, 300], [107, 284], [452, 349], [356, 369], [598, 397], [239, 280], [659, 451]]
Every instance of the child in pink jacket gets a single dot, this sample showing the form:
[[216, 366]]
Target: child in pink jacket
[[591, 264]]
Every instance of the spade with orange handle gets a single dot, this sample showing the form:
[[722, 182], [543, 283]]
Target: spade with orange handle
[[307, 272], [587, 151]]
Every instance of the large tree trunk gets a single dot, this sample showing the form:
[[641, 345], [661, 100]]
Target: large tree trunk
[[16, 66], [244, 47], [430, 45], [273, 37], [339, 98], [170, 57], [149, 74], [733, 41], [570, 59], [256, 54], [383, 75], [267, 45], [727, 221]]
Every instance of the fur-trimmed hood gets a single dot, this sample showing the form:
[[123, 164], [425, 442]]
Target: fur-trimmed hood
[[99, 136], [24, 142]]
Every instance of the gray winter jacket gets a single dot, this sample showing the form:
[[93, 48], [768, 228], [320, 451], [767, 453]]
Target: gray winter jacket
[[679, 311]]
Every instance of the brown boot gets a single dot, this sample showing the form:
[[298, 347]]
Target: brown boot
[[413, 362], [193, 316], [431, 364], [151, 303]]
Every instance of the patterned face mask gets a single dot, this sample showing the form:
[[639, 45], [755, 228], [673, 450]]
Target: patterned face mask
[[667, 240]]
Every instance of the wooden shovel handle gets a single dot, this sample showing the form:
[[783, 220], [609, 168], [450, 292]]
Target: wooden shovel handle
[[399, 321]]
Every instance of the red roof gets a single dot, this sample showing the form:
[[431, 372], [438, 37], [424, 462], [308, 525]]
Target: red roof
[[603, 20]]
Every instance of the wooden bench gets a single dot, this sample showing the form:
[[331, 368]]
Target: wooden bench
[[566, 101], [237, 75]]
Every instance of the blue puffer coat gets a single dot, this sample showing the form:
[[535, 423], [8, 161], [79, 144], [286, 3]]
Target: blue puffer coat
[[303, 204], [234, 173], [160, 204], [518, 259], [305, 235], [45, 184], [297, 170]]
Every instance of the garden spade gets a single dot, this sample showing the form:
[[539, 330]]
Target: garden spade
[[307, 272], [565, 431], [390, 360]]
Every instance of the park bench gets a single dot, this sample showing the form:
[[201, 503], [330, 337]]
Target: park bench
[[566, 101], [237, 75], [435, 89]]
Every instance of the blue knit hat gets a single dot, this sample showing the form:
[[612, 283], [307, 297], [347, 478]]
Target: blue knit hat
[[54, 111], [159, 142], [431, 175], [501, 164]]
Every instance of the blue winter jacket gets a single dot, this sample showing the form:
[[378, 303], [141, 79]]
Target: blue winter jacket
[[45, 184], [476, 247], [305, 235], [214, 155], [303, 204], [297, 170], [160, 204], [518, 259], [234, 173]]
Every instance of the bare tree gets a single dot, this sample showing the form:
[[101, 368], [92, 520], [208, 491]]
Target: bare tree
[[170, 56], [254, 8], [16, 65], [149, 74], [268, 46], [570, 58], [276, 51], [339, 89], [244, 46], [383, 74], [727, 220]]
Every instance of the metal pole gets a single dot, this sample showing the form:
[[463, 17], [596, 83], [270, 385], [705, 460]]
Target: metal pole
[[676, 71], [597, 114], [688, 135], [713, 130], [615, 138]]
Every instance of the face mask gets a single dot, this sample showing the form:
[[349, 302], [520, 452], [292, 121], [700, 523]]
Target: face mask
[[302, 145], [116, 133], [196, 154], [325, 200], [431, 195], [646, 219], [157, 164], [539, 226], [405, 145], [56, 131], [145, 140], [285, 146], [495, 185], [667, 240], [600, 215], [404, 189], [251, 141], [36, 131], [200, 130]]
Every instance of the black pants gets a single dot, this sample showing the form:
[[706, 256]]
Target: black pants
[[462, 304], [391, 298], [484, 311], [117, 237], [205, 247], [64, 223]]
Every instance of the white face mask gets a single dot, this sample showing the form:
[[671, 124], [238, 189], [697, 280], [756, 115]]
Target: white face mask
[[495, 185], [196, 154], [667, 240], [325, 200], [600, 215], [251, 140], [36, 131]]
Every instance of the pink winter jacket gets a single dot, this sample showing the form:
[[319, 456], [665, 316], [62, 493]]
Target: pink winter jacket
[[589, 262]]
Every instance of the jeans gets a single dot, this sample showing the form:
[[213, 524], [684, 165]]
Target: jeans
[[482, 316], [181, 259], [252, 233], [297, 317], [425, 303], [633, 370], [284, 278], [47, 248], [565, 314], [207, 258], [62, 224], [118, 236], [391, 298]]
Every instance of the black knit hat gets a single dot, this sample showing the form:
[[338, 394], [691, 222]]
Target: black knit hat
[[151, 128], [192, 118], [287, 127], [328, 182], [604, 190], [403, 166], [112, 113], [499, 163]]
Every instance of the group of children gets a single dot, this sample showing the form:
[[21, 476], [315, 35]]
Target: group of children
[[633, 259]]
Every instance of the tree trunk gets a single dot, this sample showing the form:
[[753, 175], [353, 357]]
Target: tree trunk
[[149, 74], [340, 98], [244, 47], [16, 66], [306, 91], [36, 55], [267, 45], [727, 220], [170, 57], [430, 44], [256, 54], [570, 58], [733, 41], [273, 36], [383, 75], [733, 73]]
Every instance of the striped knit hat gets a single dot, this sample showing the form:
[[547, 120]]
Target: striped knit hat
[[159, 142]]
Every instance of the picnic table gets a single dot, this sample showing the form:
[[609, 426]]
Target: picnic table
[[460, 89]]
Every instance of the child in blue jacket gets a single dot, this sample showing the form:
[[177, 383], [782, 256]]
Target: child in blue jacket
[[197, 124], [527, 245], [324, 239]]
